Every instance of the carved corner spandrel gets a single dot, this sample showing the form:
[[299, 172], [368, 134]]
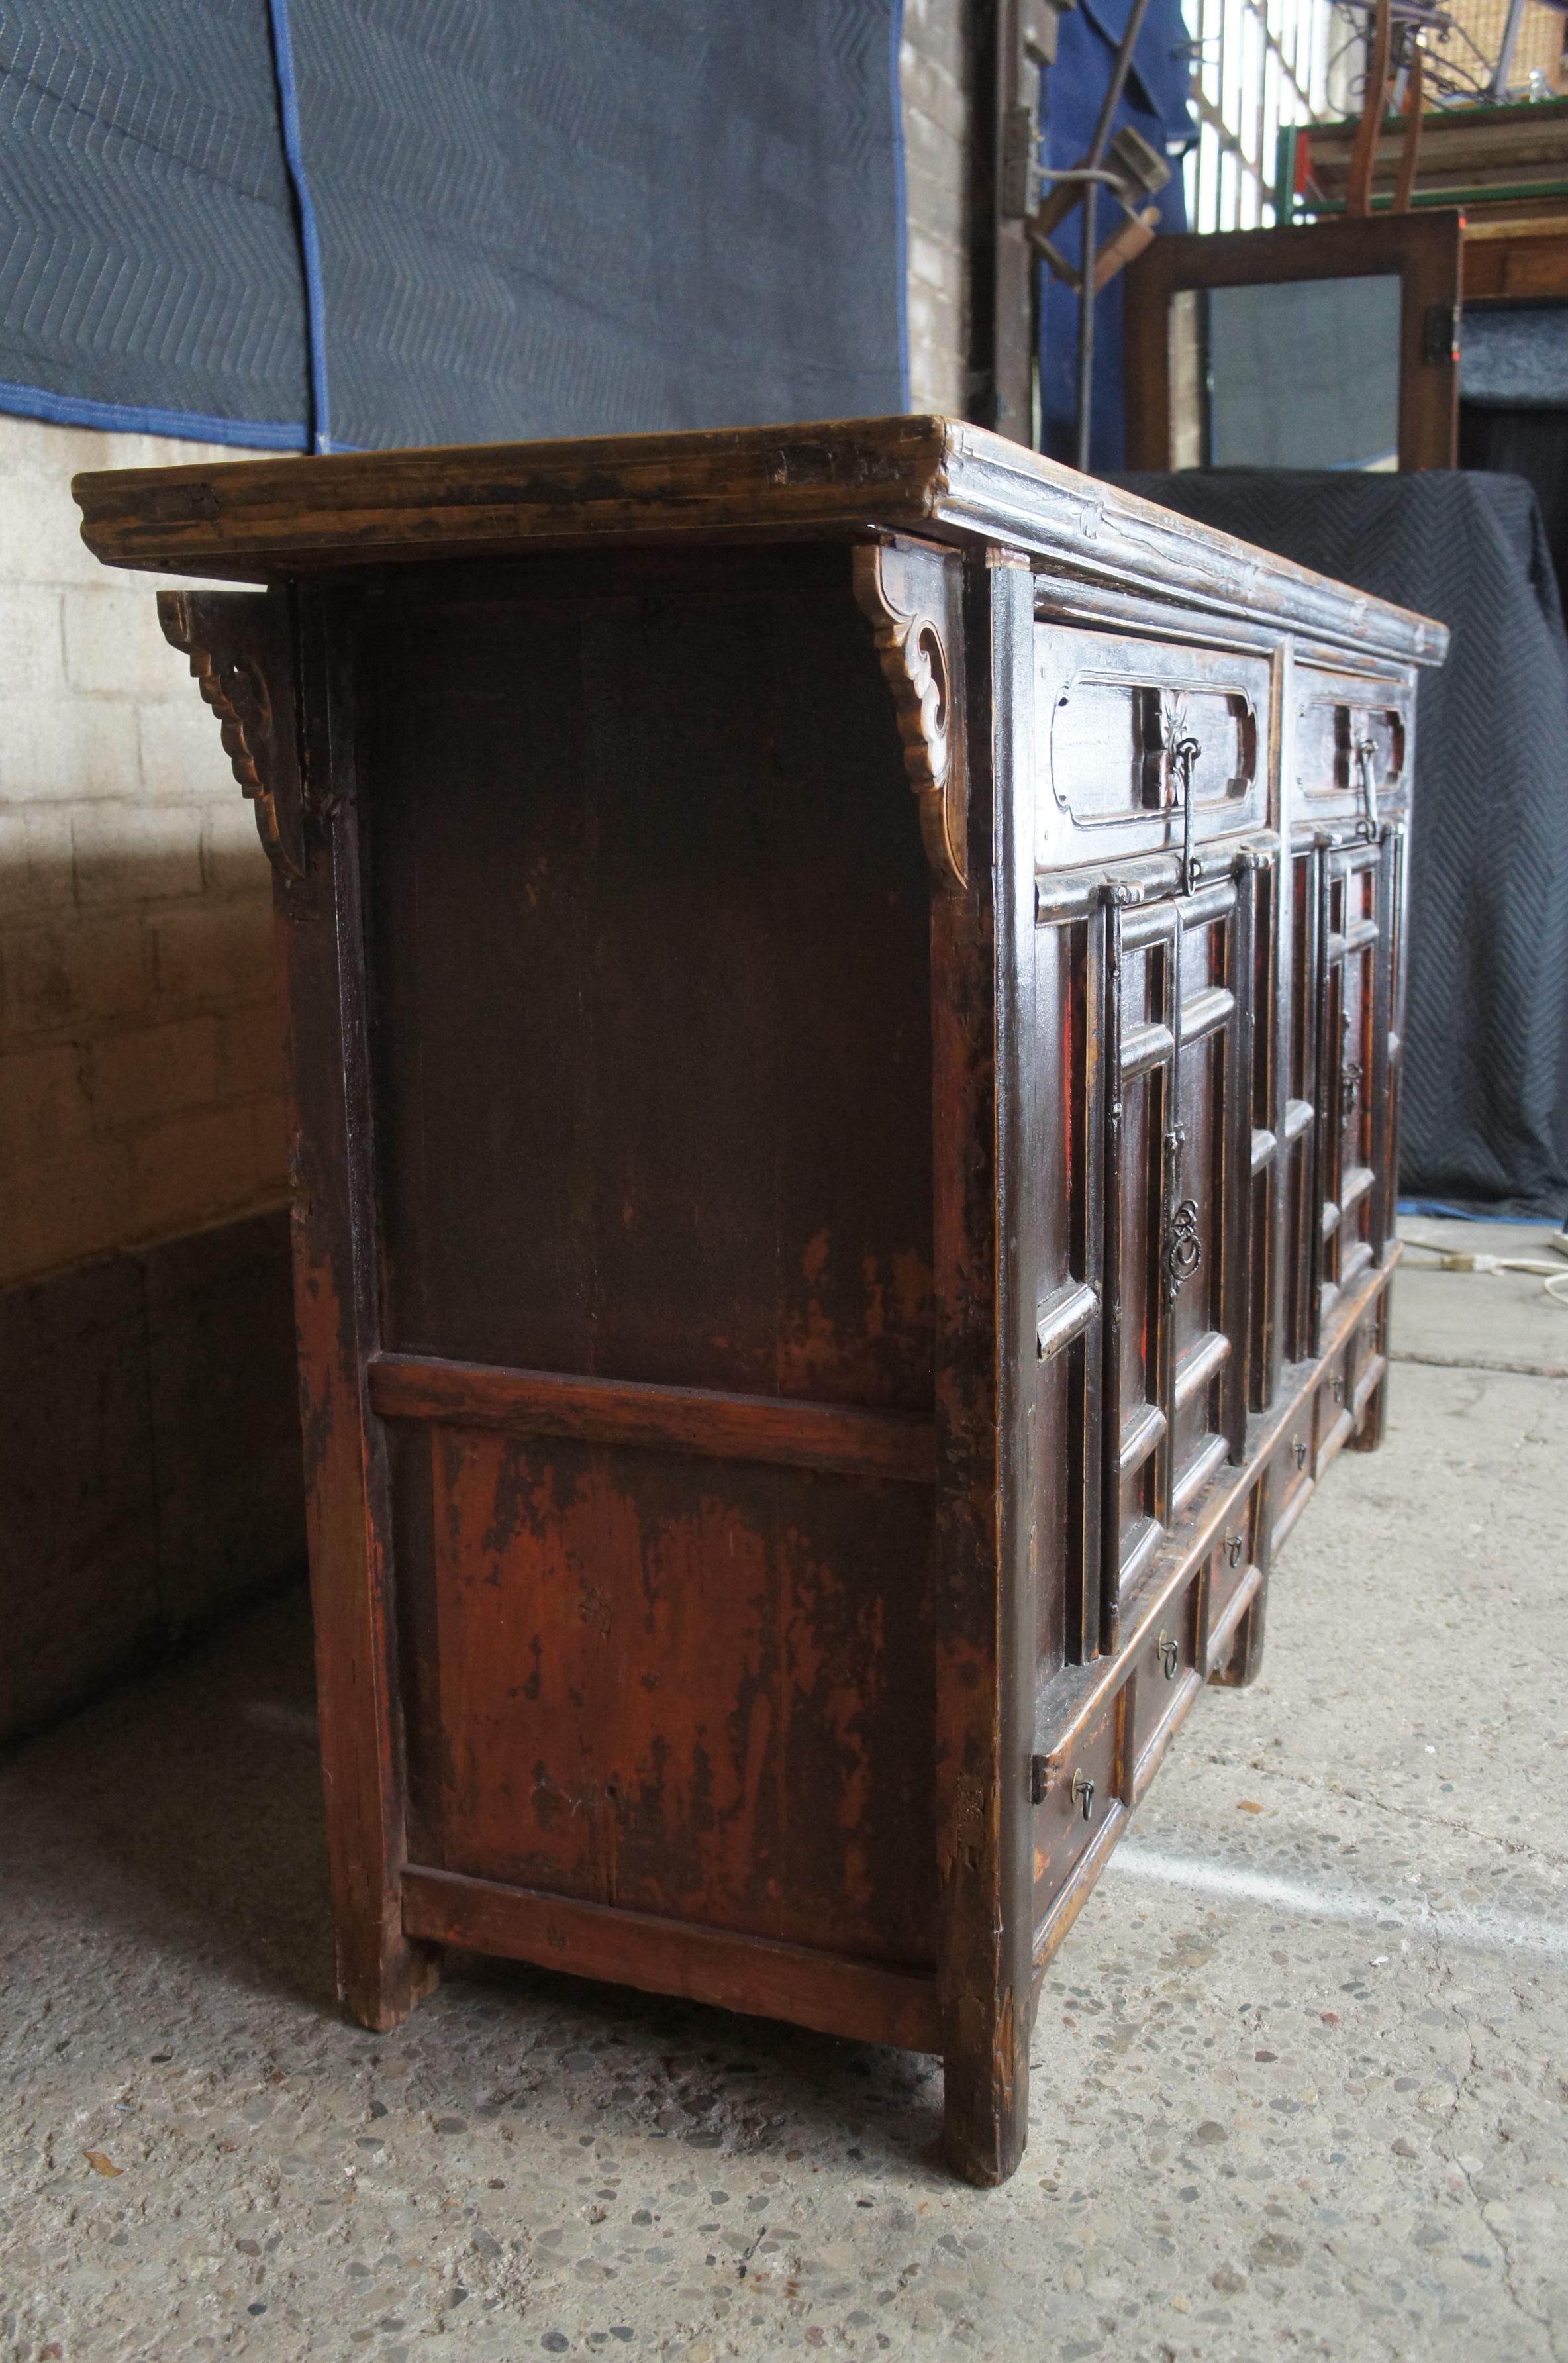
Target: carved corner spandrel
[[240, 645], [912, 596]]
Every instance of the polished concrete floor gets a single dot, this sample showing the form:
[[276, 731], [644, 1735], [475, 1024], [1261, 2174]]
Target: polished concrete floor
[[1301, 2067]]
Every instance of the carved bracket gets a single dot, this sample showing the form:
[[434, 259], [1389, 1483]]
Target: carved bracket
[[240, 644], [912, 596]]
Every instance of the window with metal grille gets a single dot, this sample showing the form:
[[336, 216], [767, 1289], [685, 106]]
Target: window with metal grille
[[1258, 64]]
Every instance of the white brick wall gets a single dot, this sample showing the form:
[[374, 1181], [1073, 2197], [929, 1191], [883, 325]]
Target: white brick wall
[[933, 76], [140, 1069]]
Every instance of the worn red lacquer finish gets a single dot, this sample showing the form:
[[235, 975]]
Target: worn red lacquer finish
[[843, 1007]]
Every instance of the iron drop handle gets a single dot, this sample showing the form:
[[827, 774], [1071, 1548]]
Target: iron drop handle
[[1366, 763], [1183, 754]]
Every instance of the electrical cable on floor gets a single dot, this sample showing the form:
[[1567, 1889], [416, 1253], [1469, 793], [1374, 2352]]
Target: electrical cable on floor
[[1553, 1284]]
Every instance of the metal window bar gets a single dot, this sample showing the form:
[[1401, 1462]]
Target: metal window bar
[[1256, 66]]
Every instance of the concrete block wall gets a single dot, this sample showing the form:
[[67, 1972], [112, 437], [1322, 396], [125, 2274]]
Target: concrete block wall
[[935, 83], [149, 1448], [140, 1061]]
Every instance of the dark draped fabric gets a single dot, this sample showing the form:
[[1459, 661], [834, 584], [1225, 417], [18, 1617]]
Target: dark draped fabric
[[1530, 443], [562, 218], [1486, 1095]]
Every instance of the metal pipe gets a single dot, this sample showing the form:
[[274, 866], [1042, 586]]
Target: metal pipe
[[1505, 66], [1086, 331], [1118, 83]]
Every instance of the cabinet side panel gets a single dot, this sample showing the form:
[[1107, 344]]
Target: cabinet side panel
[[697, 1690], [650, 933]]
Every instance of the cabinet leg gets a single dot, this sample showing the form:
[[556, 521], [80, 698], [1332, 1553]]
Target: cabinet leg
[[985, 2112], [378, 1984], [1245, 1661], [1369, 1434]]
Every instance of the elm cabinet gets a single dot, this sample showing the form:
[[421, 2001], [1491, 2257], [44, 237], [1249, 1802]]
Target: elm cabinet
[[843, 1001]]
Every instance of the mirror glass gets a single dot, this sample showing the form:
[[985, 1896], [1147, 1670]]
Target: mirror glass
[[1298, 373]]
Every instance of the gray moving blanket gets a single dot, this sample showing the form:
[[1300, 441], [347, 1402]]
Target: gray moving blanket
[[1485, 1105], [506, 219]]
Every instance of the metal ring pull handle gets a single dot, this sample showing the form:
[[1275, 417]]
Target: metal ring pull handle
[[1170, 1654], [1083, 1794], [1366, 763]]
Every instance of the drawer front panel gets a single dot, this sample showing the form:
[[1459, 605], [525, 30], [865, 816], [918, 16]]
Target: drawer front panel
[[1367, 1351], [1164, 1678], [1335, 1394], [1083, 1791], [1126, 729], [1345, 727], [1239, 1549], [1290, 1476]]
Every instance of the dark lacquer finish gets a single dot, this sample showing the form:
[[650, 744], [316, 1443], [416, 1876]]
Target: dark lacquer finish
[[844, 1005]]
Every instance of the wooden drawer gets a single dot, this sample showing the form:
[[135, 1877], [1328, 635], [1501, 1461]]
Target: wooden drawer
[[1337, 716], [1332, 1407], [1368, 1355], [1110, 717], [1164, 1678], [1082, 1795], [1234, 1571], [1290, 1476]]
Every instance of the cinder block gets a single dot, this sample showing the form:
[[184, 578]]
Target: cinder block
[[150, 1457], [126, 853], [32, 447], [232, 858], [182, 749], [67, 749], [218, 950], [269, 1136], [78, 1542], [142, 1074], [220, 1325], [113, 645], [165, 451], [936, 264], [78, 974], [31, 661], [930, 148], [40, 539], [250, 1052], [194, 1169], [44, 1107], [37, 869], [936, 29], [938, 209], [929, 83], [55, 1214]]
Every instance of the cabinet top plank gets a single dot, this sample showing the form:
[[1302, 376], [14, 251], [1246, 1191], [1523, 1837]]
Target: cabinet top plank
[[259, 520]]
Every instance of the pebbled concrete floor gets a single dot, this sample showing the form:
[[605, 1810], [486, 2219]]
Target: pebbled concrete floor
[[1300, 2084]]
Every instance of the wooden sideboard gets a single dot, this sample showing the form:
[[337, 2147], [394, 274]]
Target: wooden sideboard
[[843, 995]]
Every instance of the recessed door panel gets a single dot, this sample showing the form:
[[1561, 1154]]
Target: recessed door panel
[[1178, 1188]]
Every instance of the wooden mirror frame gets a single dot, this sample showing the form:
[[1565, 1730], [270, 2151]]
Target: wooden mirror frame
[[1423, 249]]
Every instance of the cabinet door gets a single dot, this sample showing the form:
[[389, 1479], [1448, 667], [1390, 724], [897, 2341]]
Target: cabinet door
[[1354, 1141], [1302, 1244], [1342, 1122], [1178, 1167]]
